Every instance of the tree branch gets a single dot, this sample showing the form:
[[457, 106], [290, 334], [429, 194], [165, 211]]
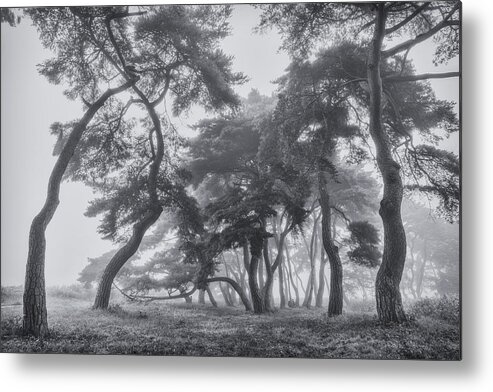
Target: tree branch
[[407, 20], [415, 78], [422, 37]]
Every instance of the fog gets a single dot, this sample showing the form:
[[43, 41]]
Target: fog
[[30, 104]]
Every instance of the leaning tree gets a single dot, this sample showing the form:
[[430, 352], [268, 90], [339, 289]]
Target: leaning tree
[[313, 128], [253, 190], [174, 50], [89, 77], [374, 26]]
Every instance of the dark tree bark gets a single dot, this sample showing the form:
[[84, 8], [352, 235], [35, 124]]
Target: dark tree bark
[[154, 210], [122, 256], [270, 269], [188, 298], [34, 301], [261, 281], [241, 279], [290, 276], [388, 296], [335, 293], [267, 287], [236, 287], [202, 297], [256, 254]]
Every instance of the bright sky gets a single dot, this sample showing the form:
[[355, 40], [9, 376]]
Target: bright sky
[[30, 105]]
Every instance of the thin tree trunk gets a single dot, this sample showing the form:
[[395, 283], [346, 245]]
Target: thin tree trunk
[[307, 302], [287, 284], [241, 271], [225, 294], [231, 293], [267, 292], [267, 285], [236, 287], [122, 256], [388, 296], [282, 297], [256, 254], [261, 281], [290, 275], [335, 293], [211, 297], [35, 320], [188, 298], [153, 213]]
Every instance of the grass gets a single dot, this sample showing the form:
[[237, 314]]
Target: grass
[[198, 330]]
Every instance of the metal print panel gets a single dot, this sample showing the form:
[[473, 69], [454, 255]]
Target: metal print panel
[[269, 180]]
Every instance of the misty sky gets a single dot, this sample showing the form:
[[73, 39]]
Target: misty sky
[[30, 105]]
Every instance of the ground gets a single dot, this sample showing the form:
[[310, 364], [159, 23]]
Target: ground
[[164, 328]]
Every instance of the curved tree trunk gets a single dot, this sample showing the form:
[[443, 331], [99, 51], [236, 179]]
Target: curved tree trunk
[[335, 294], [271, 269], [388, 296], [236, 287], [121, 257], [211, 297], [155, 209], [307, 302], [226, 296], [321, 283], [34, 301]]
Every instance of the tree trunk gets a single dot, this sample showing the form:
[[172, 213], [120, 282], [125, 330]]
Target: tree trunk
[[153, 213], [261, 282], [236, 287], [307, 302], [267, 288], [287, 284], [270, 269], [211, 297], [388, 296], [256, 254], [290, 276], [321, 284], [121, 257], [35, 320], [225, 294], [282, 297], [188, 298], [335, 294], [202, 297]]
